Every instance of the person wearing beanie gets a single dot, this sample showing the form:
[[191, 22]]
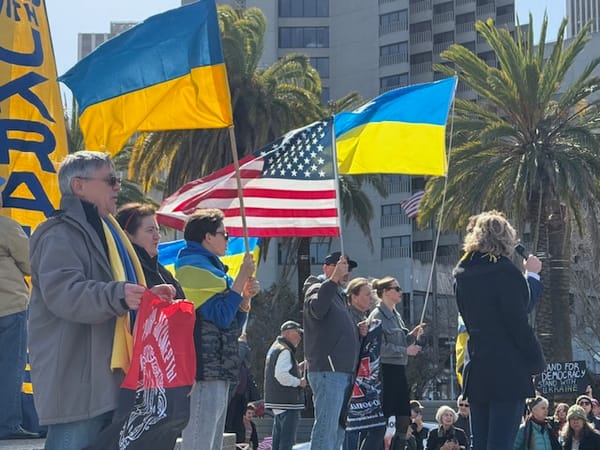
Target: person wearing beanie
[[586, 402], [536, 432], [578, 434]]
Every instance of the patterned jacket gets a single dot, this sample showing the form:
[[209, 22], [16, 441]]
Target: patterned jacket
[[205, 282]]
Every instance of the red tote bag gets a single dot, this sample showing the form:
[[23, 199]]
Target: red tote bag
[[154, 404]]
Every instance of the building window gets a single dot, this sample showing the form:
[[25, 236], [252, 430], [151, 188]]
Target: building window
[[393, 54], [318, 252], [393, 82], [86, 44], [423, 251], [395, 247], [303, 37], [442, 8], [393, 215], [393, 22], [418, 184], [465, 18], [325, 96], [321, 64], [303, 8], [396, 183]]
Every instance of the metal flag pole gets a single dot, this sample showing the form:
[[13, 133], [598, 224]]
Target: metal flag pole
[[336, 179]]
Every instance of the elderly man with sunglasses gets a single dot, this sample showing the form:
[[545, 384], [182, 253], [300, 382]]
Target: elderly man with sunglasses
[[80, 289]]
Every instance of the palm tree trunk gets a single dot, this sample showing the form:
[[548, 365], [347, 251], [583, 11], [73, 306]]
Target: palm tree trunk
[[553, 324]]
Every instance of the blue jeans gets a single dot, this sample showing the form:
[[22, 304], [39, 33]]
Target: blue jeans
[[13, 356], [329, 392], [76, 435], [495, 423], [370, 439], [208, 409], [285, 425]]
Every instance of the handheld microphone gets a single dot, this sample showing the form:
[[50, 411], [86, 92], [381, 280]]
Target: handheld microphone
[[521, 251]]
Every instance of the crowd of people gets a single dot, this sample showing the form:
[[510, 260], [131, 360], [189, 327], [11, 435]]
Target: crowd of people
[[89, 271]]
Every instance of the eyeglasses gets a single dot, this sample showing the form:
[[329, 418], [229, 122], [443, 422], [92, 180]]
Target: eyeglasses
[[394, 288], [223, 233], [466, 405], [111, 181]]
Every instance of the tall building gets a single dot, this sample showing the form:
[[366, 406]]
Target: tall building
[[87, 42], [581, 12], [371, 48]]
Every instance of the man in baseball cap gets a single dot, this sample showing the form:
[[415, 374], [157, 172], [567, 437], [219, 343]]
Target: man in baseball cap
[[291, 325]]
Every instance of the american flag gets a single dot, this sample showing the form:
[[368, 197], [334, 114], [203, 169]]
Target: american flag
[[288, 186], [411, 204]]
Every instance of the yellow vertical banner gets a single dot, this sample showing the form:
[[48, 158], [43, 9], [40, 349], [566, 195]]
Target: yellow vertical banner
[[33, 137]]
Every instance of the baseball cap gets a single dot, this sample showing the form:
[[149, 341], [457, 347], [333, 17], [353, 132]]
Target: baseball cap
[[334, 257], [291, 325]]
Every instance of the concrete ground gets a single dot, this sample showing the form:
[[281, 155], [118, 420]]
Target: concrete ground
[[38, 444]]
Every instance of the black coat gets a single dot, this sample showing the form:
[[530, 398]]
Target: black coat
[[492, 296], [590, 441], [438, 437], [155, 273]]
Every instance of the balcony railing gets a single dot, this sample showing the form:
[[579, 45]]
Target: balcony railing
[[505, 19], [402, 184], [395, 252], [383, 2], [448, 16], [420, 67], [464, 2], [401, 25], [421, 6], [485, 11], [388, 60], [465, 27], [420, 36], [392, 220], [441, 46]]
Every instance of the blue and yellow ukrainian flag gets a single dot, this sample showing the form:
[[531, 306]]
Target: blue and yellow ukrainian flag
[[461, 349], [401, 131], [166, 73], [167, 253]]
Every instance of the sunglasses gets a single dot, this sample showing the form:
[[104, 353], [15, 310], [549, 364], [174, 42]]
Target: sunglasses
[[111, 181], [223, 233], [466, 405], [394, 288]]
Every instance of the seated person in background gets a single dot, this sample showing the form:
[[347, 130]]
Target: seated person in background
[[446, 436], [464, 417], [251, 436]]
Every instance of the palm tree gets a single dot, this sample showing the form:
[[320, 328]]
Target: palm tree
[[266, 103], [529, 147]]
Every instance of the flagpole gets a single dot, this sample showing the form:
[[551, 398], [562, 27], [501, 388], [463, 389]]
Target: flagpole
[[238, 179], [337, 181]]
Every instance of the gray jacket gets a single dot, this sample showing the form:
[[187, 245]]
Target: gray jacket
[[331, 341], [395, 335], [74, 305]]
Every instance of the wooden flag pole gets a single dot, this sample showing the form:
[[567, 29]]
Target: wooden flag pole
[[238, 178]]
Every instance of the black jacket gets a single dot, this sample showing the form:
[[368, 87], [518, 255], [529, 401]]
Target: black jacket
[[492, 295], [590, 441], [438, 437], [155, 273]]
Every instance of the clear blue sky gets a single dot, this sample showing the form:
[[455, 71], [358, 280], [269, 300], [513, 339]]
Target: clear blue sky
[[68, 17]]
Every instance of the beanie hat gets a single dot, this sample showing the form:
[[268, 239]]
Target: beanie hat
[[576, 412], [583, 397]]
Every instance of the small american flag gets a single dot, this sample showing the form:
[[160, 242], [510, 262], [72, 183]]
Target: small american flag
[[411, 204], [288, 188]]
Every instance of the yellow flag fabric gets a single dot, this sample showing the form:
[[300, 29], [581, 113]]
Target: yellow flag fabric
[[32, 127]]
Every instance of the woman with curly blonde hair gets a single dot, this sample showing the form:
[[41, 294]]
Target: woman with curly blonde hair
[[492, 296]]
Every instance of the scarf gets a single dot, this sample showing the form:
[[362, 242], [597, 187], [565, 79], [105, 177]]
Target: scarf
[[125, 266]]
